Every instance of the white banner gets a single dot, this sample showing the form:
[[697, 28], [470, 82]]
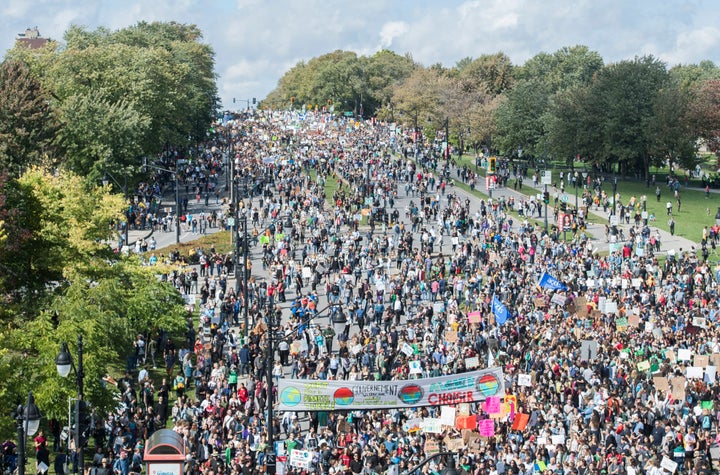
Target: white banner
[[322, 395]]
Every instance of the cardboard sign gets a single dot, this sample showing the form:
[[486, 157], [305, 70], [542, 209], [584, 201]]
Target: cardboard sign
[[661, 383], [473, 362], [539, 302], [715, 359], [581, 307], [451, 336], [454, 444], [474, 317], [432, 447], [678, 388], [634, 321], [701, 361]]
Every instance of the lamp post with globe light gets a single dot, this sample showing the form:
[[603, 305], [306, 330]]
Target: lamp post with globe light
[[64, 364], [28, 422]]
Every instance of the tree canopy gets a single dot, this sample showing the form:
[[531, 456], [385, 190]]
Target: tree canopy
[[622, 116]]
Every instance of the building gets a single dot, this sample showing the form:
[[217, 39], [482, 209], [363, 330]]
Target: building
[[31, 39]]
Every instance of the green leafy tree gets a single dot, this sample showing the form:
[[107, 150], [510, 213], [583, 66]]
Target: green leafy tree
[[27, 120], [100, 135], [67, 281], [520, 118], [627, 93]]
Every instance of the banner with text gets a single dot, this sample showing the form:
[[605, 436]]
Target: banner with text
[[322, 395]]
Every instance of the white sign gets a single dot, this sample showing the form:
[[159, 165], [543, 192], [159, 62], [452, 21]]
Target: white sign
[[668, 465], [547, 177], [301, 458], [447, 416], [684, 354], [165, 468], [473, 362], [432, 425], [415, 367], [524, 380], [614, 220], [407, 349]]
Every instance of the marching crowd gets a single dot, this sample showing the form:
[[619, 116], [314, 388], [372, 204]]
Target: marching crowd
[[367, 249]]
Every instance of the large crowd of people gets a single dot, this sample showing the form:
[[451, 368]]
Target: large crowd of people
[[361, 246]]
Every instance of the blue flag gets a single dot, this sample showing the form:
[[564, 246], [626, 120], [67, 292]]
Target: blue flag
[[549, 282], [500, 311]]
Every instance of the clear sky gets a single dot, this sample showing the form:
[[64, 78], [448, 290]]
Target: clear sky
[[256, 41]]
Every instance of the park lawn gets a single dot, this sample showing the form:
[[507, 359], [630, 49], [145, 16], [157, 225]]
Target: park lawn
[[689, 221], [221, 240], [691, 218]]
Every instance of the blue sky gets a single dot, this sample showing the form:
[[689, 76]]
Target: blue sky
[[256, 41]]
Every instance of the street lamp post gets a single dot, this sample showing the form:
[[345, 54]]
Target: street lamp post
[[447, 140], [245, 272], [644, 203], [614, 194], [28, 422], [270, 363], [64, 364]]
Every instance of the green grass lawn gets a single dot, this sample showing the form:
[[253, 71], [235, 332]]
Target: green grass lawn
[[689, 221]]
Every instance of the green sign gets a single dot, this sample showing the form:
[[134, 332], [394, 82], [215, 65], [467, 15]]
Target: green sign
[[348, 113]]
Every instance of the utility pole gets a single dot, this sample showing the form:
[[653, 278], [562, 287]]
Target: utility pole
[[269, 363], [447, 140]]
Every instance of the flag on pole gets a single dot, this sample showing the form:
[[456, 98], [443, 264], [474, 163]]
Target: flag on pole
[[500, 311], [549, 282]]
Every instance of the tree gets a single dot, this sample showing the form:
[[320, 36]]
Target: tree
[[27, 120], [565, 68], [491, 74], [627, 93], [704, 114], [520, 118], [691, 76], [62, 280], [159, 76], [101, 136]]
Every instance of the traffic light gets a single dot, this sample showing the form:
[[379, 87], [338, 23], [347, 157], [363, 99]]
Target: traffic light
[[254, 100], [546, 197], [492, 164]]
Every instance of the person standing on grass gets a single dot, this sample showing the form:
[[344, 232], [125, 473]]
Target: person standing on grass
[[671, 223], [170, 360]]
